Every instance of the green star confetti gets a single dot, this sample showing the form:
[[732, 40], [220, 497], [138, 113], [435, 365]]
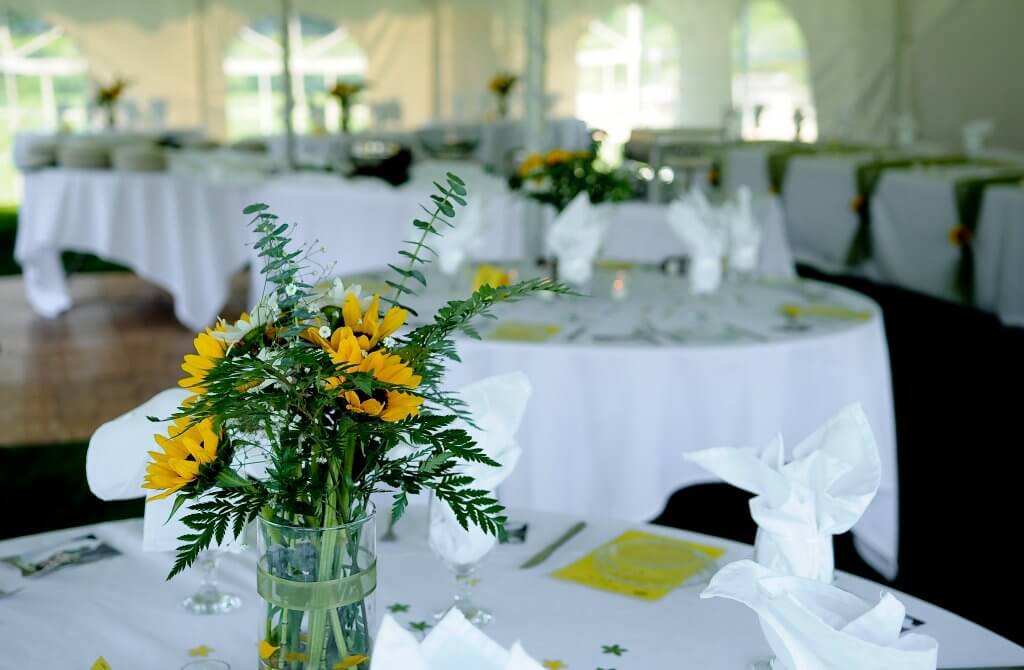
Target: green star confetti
[[613, 649], [398, 608]]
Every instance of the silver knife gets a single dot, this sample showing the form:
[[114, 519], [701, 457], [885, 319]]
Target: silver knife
[[546, 552]]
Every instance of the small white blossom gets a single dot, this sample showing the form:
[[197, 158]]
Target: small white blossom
[[322, 460], [325, 332], [291, 289], [388, 342], [334, 294]]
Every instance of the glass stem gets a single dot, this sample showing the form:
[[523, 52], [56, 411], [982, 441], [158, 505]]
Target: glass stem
[[208, 564], [464, 586]]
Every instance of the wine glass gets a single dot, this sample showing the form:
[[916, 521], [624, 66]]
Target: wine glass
[[209, 599], [461, 550]]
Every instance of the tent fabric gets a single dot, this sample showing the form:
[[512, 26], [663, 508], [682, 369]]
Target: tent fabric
[[868, 59]]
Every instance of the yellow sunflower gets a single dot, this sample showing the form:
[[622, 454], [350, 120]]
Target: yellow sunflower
[[209, 350], [491, 276], [387, 404], [368, 326], [345, 350], [185, 449]]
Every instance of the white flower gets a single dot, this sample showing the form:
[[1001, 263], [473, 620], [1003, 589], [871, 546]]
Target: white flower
[[264, 312], [334, 293], [324, 332], [290, 289], [388, 342]]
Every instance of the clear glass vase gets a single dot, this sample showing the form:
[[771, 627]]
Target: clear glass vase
[[317, 587]]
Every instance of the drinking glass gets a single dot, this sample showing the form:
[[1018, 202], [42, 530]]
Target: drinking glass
[[461, 550], [209, 599]]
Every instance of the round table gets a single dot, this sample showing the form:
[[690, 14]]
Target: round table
[[622, 388], [122, 609]]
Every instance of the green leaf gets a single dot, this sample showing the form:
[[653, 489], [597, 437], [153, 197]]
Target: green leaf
[[255, 207]]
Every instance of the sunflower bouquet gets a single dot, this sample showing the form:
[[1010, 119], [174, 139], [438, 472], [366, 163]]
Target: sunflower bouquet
[[501, 85], [304, 408], [559, 176], [107, 96], [346, 92]]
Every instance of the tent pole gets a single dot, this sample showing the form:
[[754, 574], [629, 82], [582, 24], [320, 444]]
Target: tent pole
[[536, 57], [286, 71], [534, 127], [435, 52]]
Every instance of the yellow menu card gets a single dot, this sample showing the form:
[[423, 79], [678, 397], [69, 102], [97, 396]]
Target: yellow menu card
[[618, 566], [524, 331]]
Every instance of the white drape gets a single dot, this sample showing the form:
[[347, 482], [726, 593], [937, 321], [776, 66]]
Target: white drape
[[941, 59]]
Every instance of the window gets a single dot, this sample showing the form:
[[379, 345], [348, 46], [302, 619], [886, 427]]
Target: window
[[44, 87], [321, 53], [628, 72], [771, 73]]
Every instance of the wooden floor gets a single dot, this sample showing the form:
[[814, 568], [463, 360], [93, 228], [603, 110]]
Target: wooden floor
[[115, 348]]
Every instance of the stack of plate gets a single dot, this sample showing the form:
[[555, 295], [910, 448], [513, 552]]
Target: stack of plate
[[139, 158], [38, 153], [251, 145], [86, 155]]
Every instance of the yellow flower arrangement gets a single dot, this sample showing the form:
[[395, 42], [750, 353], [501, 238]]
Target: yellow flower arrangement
[[346, 90], [323, 386], [185, 449], [108, 95], [502, 83]]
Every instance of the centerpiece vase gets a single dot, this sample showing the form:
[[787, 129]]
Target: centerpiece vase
[[111, 114], [502, 106], [318, 590]]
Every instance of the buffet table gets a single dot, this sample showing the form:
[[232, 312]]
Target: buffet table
[[122, 608], [622, 388]]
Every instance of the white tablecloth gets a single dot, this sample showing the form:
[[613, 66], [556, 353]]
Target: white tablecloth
[[185, 235], [122, 608], [626, 387], [912, 213], [999, 254], [640, 232]]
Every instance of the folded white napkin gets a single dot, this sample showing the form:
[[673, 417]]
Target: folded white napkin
[[497, 405], [704, 236], [815, 626], [453, 644], [975, 133], [576, 236], [115, 466], [833, 477], [745, 234], [456, 244]]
